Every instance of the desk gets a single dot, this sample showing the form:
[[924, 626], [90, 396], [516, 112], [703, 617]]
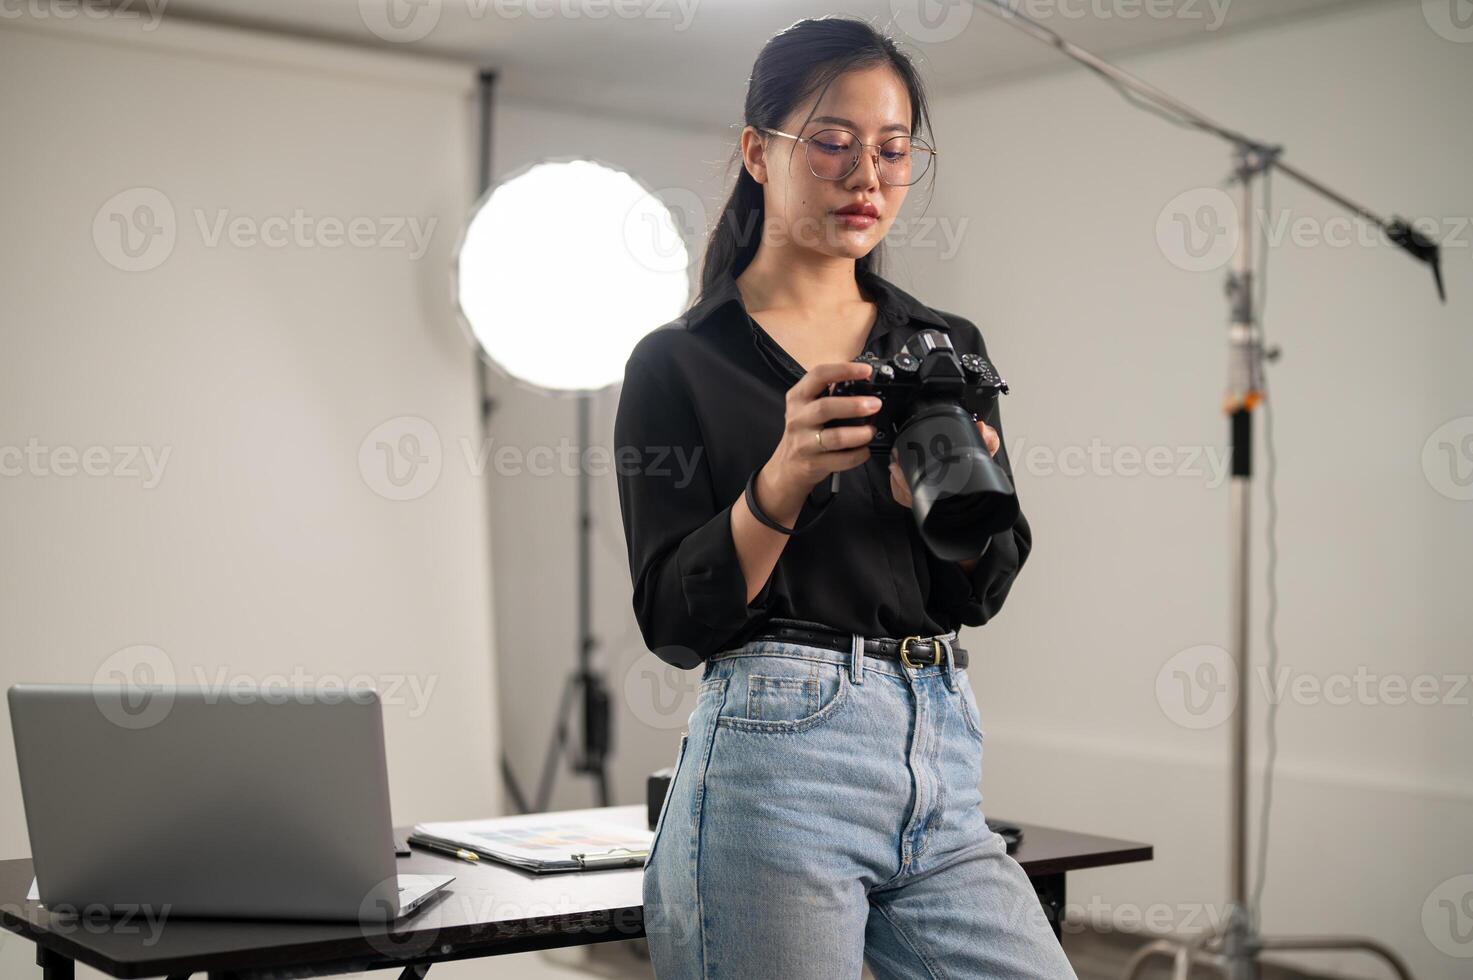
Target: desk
[[488, 910]]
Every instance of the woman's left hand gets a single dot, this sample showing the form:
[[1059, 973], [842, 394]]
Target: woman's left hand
[[901, 492]]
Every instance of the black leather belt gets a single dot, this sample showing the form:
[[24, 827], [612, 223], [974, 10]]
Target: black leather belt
[[913, 651]]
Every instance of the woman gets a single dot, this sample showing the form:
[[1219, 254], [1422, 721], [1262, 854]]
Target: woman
[[825, 807]]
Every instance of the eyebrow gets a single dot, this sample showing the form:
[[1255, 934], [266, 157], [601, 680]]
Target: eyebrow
[[850, 123]]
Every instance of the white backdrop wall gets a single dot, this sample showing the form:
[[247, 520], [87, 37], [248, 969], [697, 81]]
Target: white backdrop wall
[[1114, 350], [253, 358]]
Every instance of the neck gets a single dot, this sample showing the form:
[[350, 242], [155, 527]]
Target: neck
[[789, 277]]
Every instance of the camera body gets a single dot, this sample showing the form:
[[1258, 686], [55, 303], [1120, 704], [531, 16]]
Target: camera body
[[905, 381], [930, 401]]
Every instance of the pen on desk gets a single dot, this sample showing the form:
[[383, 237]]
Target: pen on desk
[[459, 852]]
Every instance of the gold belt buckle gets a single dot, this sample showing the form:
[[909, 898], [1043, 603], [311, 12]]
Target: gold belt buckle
[[905, 652]]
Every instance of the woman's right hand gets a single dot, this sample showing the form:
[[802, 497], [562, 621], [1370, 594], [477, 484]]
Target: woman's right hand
[[800, 461]]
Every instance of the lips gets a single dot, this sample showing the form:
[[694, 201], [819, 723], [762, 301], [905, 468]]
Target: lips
[[864, 209]]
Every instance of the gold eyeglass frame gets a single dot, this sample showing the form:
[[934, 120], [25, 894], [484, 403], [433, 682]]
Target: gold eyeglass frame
[[869, 146]]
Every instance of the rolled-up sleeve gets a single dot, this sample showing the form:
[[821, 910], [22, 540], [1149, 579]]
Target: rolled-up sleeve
[[690, 595]]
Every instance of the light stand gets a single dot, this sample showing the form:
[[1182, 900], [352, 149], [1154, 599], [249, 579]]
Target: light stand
[[596, 714], [597, 727], [1233, 946]]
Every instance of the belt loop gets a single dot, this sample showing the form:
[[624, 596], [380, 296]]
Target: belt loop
[[950, 666], [856, 658]]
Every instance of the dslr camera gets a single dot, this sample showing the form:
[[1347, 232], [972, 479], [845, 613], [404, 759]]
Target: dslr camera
[[931, 398]]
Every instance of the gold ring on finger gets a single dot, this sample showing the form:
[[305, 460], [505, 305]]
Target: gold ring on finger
[[818, 434]]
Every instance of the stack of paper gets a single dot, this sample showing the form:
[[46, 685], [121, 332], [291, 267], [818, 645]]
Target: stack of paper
[[543, 842]]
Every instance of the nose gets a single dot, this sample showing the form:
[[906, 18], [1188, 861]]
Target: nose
[[866, 172]]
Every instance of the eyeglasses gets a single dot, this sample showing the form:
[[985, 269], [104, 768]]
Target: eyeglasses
[[834, 153]]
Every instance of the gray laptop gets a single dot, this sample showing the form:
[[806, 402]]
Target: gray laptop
[[268, 803]]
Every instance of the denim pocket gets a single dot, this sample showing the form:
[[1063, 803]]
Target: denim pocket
[[781, 695], [669, 797], [970, 711]]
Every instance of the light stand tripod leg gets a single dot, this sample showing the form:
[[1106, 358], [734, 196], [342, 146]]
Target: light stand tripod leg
[[1182, 954], [1194, 951], [1157, 947], [559, 742], [1309, 943]]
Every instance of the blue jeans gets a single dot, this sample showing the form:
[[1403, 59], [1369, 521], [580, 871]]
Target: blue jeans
[[826, 811]]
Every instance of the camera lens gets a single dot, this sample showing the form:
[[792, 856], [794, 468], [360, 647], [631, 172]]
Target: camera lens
[[961, 496]]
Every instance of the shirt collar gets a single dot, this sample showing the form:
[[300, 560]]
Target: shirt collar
[[897, 307]]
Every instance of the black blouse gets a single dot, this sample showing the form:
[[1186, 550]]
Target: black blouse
[[702, 407]]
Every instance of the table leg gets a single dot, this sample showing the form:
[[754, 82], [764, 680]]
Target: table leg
[[53, 965], [1050, 890]]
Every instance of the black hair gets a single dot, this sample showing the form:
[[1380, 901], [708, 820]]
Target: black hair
[[793, 64]]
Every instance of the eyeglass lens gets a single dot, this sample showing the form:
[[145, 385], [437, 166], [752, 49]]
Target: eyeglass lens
[[834, 153]]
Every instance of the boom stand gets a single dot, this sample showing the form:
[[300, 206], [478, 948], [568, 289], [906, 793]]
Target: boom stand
[[1234, 944]]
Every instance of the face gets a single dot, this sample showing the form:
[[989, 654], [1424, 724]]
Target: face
[[801, 208]]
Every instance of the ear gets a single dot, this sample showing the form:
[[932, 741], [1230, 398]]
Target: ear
[[754, 154]]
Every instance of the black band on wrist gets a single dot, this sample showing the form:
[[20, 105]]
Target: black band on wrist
[[802, 525], [757, 511]]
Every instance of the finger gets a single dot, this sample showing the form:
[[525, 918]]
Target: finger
[[841, 437], [820, 410], [990, 438], [846, 459], [808, 387], [898, 489]]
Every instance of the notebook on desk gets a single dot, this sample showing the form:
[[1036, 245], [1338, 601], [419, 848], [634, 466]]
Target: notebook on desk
[[543, 842]]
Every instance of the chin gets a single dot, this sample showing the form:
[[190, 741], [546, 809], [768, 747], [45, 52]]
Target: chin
[[857, 249]]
